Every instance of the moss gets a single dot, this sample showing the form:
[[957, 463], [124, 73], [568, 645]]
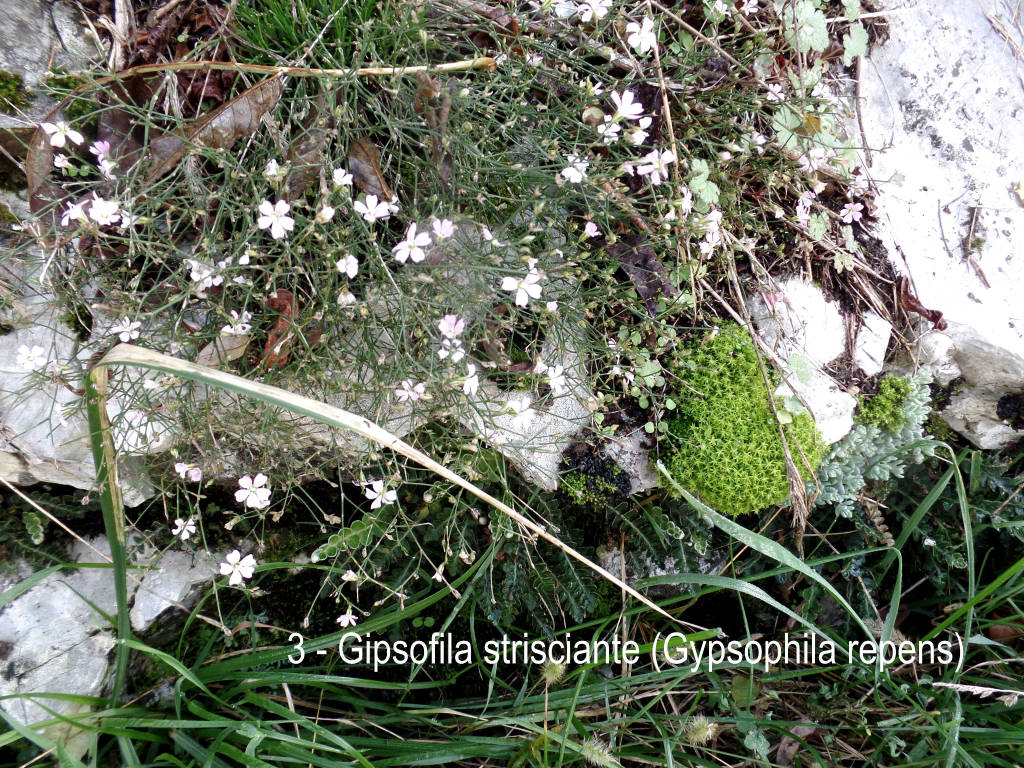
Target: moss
[[7, 216], [725, 443], [12, 91], [594, 480], [885, 408], [80, 111]]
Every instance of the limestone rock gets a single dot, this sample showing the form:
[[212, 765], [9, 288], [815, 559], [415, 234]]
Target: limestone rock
[[942, 102]]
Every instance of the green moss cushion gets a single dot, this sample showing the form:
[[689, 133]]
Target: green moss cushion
[[724, 446]]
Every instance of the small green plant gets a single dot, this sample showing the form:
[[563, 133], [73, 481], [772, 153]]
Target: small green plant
[[12, 91], [594, 480], [725, 442], [885, 408]]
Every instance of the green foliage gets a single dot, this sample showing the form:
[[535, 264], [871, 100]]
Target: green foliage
[[873, 452], [885, 408], [595, 481], [725, 443], [12, 91]]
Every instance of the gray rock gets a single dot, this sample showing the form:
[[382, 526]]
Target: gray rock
[[28, 39], [171, 580], [59, 642]]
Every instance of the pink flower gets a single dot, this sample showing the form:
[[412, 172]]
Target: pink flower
[[451, 326], [443, 228], [348, 619], [852, 212], [410, 390]]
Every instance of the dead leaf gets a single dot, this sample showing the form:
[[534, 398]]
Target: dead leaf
[[305, 155], [364, 165], [223, 349], [275, 351], [789, 746], [644, 269], [219, 129]]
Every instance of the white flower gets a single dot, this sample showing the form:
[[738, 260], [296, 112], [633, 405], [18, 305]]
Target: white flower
[[239, 325], [642, 37], [593, 9], [348, 619], [183, 528], [443, 228], [107, 167], [749, 7], [523, 413], [61, 161], [348, 265], [451, 348], [485, 233], [590, 230], [410, 390], [346, 299], [525, 288], [393, 205], [564, 8], [203, 274], [626, 107], [276, 218], [31, 359], [852, 212], [237, 567], [758, 140], [325, 214], [104, 211], [374, 491], [372, 209], [576, 171], [556, 379], [60, 132], [413, 245], [127, 329], [551, 306], [775, 92], [188, 471], [638, 135], [253, 491], [657, 164], [349, 575], [274, 172], [472, 382], [342, 178], [609, 130]]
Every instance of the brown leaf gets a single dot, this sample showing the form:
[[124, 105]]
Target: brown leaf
[[219, 129], [223, 350], [912, 304], [789, 746], [305, 156], [364, 165], [275, 351], [644, 269]]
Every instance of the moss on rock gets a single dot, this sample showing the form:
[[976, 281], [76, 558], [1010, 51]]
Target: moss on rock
[[725, 444], [885, 408]]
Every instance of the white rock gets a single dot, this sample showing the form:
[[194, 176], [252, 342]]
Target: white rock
[[801, 323], [942, 97], [630, 452], [872, 341], [59, 642], [170, 581]]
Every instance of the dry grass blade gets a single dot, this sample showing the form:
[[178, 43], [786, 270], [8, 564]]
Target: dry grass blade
[[128, 354]]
